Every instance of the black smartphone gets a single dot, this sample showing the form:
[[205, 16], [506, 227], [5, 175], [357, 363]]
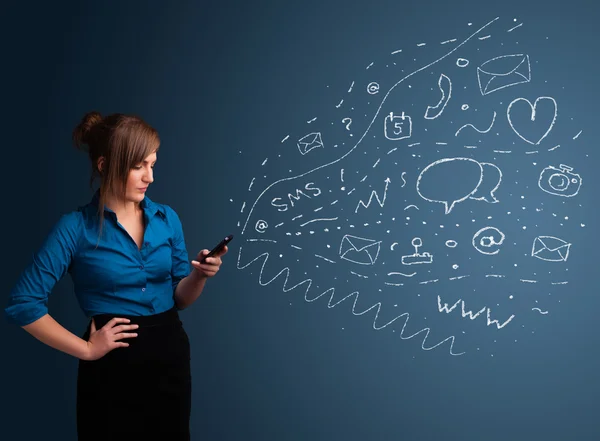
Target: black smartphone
[[219, 247]]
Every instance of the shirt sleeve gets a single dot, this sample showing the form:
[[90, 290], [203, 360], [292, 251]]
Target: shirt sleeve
[[28, 299], [180, 264]]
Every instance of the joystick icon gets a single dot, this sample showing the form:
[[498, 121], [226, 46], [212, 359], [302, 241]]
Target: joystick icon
[[416, 258]]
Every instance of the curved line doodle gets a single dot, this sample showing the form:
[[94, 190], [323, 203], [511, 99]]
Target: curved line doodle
[[427, 66], [443, 179], [480, 131]]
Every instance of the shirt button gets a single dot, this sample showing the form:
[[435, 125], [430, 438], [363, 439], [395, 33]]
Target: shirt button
[[141, 267], [143, 289]]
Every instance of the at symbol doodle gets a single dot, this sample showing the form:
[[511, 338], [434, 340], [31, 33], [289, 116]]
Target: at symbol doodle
[[261, 226], [373, 88]]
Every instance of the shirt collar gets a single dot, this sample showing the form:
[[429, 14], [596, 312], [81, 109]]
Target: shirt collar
[[149, 207]]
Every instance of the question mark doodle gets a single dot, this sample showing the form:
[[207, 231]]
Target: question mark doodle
[[348, 123]]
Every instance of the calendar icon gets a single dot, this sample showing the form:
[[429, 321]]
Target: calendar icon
[[397, 126]]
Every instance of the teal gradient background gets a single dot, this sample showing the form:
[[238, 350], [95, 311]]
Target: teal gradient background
[[224, 83]]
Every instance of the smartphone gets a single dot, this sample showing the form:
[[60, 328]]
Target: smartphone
[[219, 247]]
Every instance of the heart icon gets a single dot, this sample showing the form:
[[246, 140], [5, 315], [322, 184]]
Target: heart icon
[[533, 108]]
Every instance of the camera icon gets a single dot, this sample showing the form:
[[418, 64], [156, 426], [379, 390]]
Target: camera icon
[[560, 181]]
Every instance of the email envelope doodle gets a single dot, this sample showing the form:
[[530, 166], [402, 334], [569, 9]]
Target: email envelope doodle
[[551, 249], [359, 250], [503, 71], [430, 197], [310, 142]]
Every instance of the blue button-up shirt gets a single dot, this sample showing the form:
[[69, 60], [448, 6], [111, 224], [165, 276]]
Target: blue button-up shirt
[[112, 276]]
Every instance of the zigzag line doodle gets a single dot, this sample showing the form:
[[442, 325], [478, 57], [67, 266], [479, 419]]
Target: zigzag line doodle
[[376, 196], [470, 314], [356, 295], [427, 66]]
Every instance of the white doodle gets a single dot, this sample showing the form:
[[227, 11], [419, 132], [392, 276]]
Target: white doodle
[[462, 62], [470, 314], [533, 108], [359, 250], [487, 240], [513, 28], [369, 257], [381, 201], [451, 243], [416, 258], [347, 121], [397, 127], [493, 75], [396, 273], [481, 170], [445, 86], [331, 291], [550, 248], [261, 226], [373, 88], [310, 142], [318, 220], [324, 258], [476, 129], [540, 311], [560, 181]]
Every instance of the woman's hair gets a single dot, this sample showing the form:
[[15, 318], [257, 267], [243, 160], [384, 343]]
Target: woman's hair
[[123, 141]]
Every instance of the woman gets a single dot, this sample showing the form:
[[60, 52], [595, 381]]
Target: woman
[[128, 261]]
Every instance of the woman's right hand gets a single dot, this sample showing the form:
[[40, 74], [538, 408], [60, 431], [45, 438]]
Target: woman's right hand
[[106, 338]]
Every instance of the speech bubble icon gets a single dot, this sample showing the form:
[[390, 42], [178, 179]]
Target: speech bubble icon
[[449, 181], [492, 177]]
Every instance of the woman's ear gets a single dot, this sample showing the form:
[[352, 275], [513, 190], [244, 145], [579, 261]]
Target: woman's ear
[[100, 164]]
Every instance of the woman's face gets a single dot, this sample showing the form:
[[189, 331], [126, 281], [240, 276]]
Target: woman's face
[[140, 177]]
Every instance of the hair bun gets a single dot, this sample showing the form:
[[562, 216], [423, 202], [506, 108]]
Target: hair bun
[[83, 131]]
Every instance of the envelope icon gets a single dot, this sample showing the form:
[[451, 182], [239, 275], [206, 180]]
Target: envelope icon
[[359, 250], [550, 248], [309, 142], [503, 71]]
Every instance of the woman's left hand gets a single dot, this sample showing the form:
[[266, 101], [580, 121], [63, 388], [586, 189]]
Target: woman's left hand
[[211, 265]]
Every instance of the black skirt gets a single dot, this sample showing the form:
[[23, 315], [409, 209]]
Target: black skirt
[[138, 392]]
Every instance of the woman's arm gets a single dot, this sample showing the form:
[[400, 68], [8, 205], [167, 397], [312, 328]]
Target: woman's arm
[[49, 331], [189, 289]]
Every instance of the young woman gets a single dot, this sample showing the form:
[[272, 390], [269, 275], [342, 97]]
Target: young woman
[[128, 261]]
